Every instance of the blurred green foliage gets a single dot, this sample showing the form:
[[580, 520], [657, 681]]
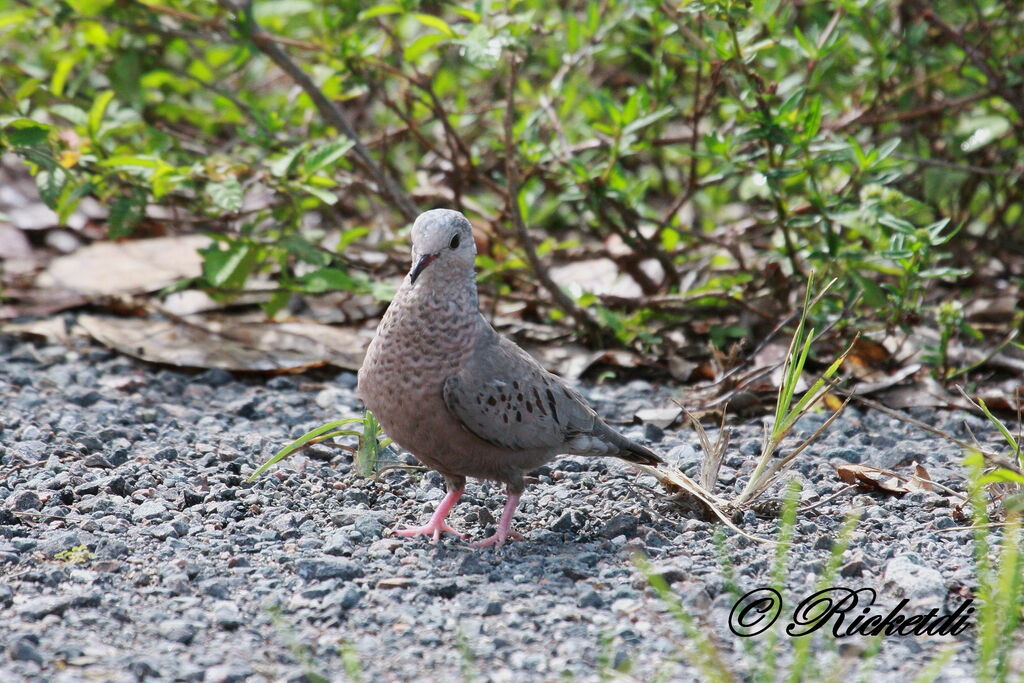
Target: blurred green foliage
[[872, 140]]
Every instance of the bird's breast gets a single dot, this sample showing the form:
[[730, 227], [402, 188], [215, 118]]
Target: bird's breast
[[420, 342]]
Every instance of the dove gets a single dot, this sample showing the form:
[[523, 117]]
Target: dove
[[464, 400]]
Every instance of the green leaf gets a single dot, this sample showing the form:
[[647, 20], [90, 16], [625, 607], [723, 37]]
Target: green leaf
[[327, 280], [61, 72], [482, 49], [96, 112], [26, 133], [873, 294], [888, 148], [226, 195], [897, 224], [812, 118], [326, 196], [50, 183], [228, 268], [422, 45], [125, 213], [306, 252], [648, 119], [280, 167], [277, 301], [89, 7], [435, 22], [325, 155], [26, 89], [379, 10], [281, 8], [70, 196], [129, 161], [792, 101], [350, 236]]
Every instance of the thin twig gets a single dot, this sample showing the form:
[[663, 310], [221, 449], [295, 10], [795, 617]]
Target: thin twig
[[248, 25], [567, 305], [828, 499]]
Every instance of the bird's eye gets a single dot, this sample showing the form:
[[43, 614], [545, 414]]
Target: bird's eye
[[454, 244]]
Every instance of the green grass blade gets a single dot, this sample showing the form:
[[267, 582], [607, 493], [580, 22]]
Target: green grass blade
[[299, 443]]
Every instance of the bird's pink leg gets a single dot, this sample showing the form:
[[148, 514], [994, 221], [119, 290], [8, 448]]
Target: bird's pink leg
[[504, 526], [437, 524]]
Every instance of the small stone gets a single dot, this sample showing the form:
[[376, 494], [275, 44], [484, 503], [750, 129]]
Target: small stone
[[6, 595], [227, 616], [23, 648], [97, 461], [653, 433], [83, 398], [350, 597], [24, 500], [65, 540], [191, 498], [620, 525], [331, 397], [472, 564], [493, 608], [168, 454], [216, 377], [230, 673], [327, 568], [590, 598], [369, 527], [151, 509], [849, 455], [905, 577], [853, 568], [163, 531], [178, 630], [565, 523], [37, 608]]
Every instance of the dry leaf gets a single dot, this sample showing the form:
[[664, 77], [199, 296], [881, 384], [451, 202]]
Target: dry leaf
[[33, 303], [867, 360], [921, 480], [126, 267], [882, 381], [53, 330], [659, 417], [601, 276], [874, 479], [925, 392], [230, 344]]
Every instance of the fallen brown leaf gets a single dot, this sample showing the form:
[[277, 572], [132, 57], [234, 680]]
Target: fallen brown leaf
[[875, 479], [922, 481], [53, 330], [126, 267], [230, 344]]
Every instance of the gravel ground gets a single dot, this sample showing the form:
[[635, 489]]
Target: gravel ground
[[189, 573]]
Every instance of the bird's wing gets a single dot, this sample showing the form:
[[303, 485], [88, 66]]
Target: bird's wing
[[505, 397]]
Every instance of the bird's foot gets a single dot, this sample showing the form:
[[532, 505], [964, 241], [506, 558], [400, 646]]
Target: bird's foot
[[430, 529], [498, 539]]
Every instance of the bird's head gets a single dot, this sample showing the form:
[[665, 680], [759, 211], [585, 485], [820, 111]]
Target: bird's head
[[442, 240]]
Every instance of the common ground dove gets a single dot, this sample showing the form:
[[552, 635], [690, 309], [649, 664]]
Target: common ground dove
[[464, 400]]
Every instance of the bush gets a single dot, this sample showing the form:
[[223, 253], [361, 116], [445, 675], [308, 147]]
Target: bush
[[707, 148]]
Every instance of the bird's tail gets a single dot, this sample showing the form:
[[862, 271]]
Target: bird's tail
[[604, 440], [634, 452]]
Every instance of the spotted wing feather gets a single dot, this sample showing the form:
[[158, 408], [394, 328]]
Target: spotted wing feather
[[503, 396]]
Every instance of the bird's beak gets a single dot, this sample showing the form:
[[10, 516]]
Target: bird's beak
[[421, 265]]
